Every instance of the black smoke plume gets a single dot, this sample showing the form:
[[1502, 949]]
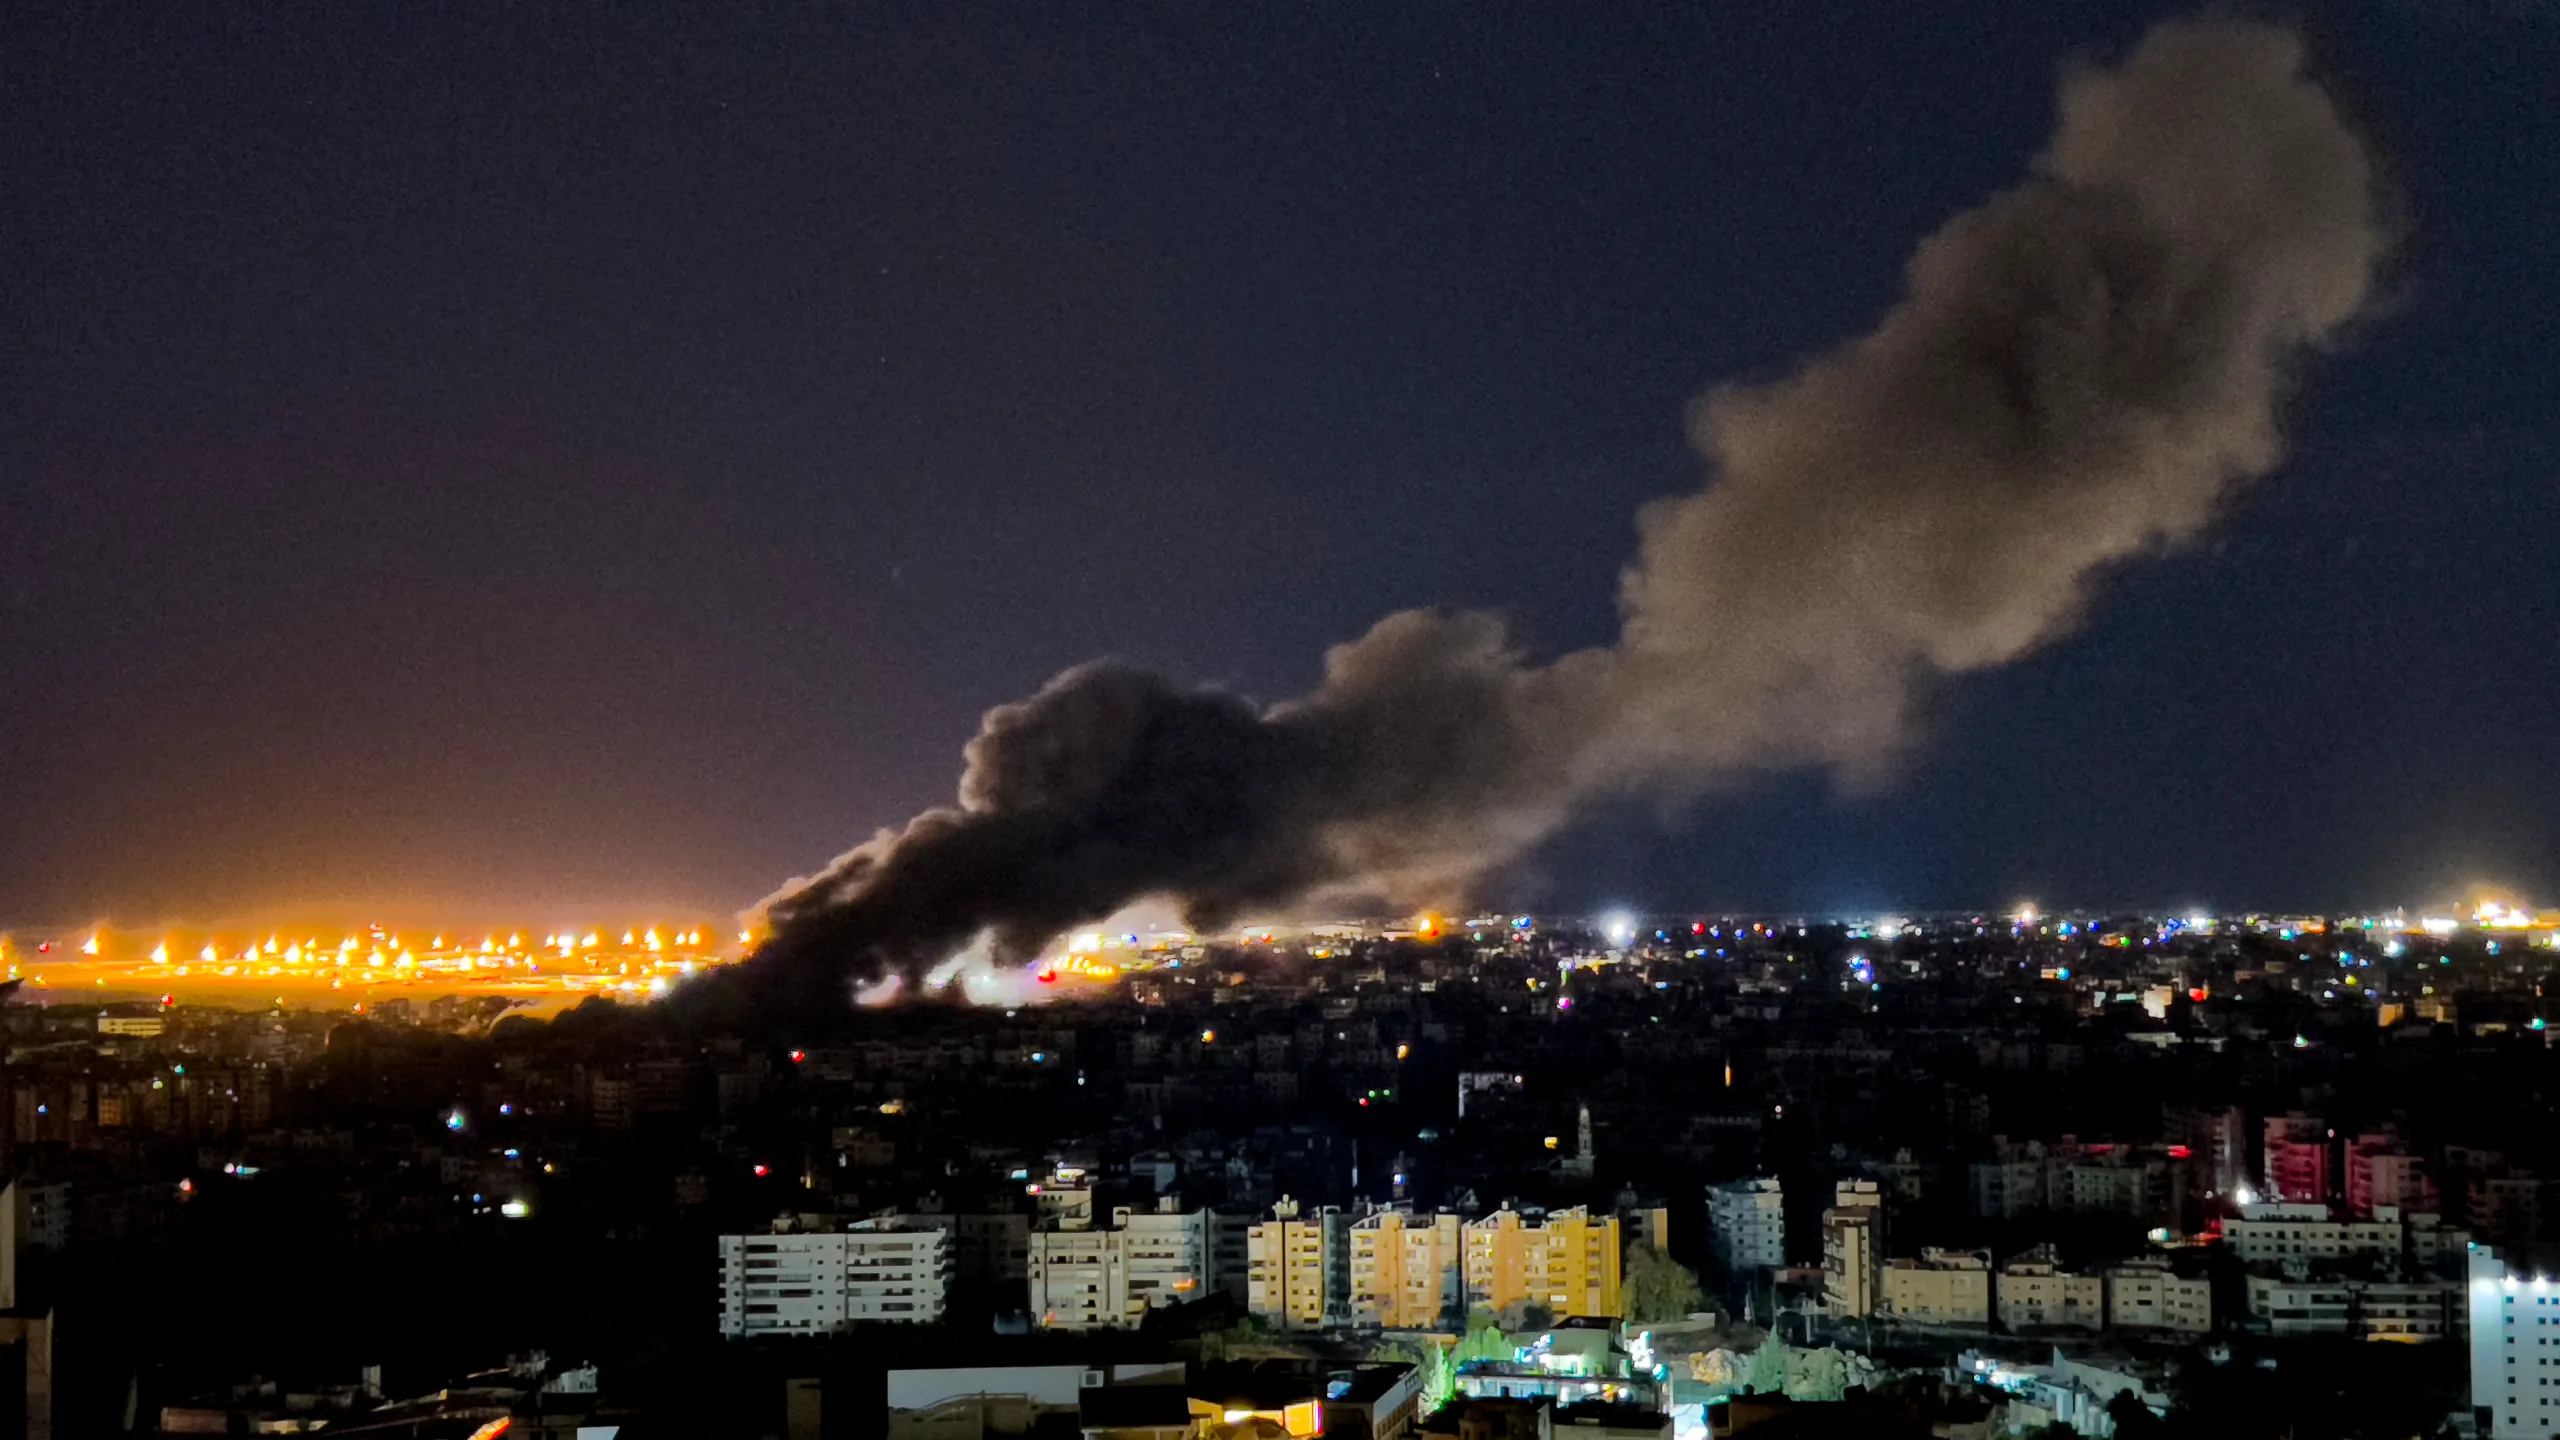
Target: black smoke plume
[[2082, 371]]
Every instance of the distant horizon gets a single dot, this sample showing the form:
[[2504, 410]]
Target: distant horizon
[[336, 922]]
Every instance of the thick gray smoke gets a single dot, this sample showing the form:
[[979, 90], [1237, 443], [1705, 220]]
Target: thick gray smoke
[[2082, 371]]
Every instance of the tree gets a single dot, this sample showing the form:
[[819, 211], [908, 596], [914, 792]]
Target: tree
[[1817, 1374], [1486, 1344], [1439, 1377], [1657, 1287], [1522, 1315], [2133, 1419], [1431, 1361], [1767, 1374], [1249, 1339]]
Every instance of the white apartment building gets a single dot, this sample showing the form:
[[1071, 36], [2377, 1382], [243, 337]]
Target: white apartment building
[[2405, 1310], [1748, 1219], [811, 1284], [1086, 1279], [2272, 1234], [2515, 1348], [1079, 1280], [1170, 1252]]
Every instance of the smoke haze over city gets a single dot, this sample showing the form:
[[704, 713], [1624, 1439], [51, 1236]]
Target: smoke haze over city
[[2081, 371]]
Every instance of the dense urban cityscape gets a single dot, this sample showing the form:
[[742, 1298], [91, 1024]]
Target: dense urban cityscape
[[1995, 1172], [801, 722]]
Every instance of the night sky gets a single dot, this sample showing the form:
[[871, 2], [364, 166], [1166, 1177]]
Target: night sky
[[490, 457]]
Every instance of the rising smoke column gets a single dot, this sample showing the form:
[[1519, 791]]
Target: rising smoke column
[[2082, 371]]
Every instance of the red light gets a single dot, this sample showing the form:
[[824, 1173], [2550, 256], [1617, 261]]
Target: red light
[[763, 1170], [168, 999], [1364, 1101], [1698, 927], [2179, 1152], [2198, 994], [1048, 975], [799, 1055], [46, 946]]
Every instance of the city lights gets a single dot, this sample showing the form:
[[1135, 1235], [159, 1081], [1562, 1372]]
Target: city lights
[[318, 969]]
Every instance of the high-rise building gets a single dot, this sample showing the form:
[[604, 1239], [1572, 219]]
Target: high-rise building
[[1580, 1164], [1570, 1263], [1170, 1252], [2381, 1173], [2515, 1332], [2505, 1209], [1297, 1267], [895, 1270], [1079, 1280], [1406, 1270], [994, 1257], [1748, 1220], [2219, 1141], [1229, 1237], [2297, 1160], [1853, 1248], [1085, 1279]]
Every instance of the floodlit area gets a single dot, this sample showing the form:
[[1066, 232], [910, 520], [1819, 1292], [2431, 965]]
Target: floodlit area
[[330, 969]]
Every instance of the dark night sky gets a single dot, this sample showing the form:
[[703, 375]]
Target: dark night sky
[[520, 456]]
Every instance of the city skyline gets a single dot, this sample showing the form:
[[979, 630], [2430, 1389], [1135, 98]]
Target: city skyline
[[1675, 721]]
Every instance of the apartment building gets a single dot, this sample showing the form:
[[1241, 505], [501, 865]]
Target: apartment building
[[2148, 1295], [1086, 1279], [1406, 1269], [1942, 1287], [2036, 1293], [1297, 1267], [1570, 1262], [889, 1270], [1748, 1222], [2275, 1234], [1852, 1248]]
